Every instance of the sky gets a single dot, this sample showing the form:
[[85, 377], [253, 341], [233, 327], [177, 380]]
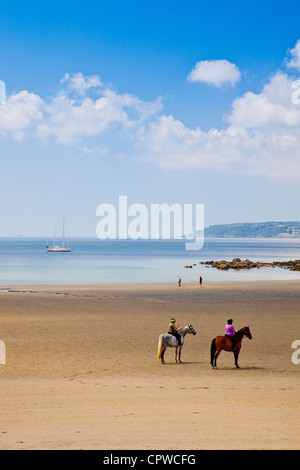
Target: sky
[[164, 102]]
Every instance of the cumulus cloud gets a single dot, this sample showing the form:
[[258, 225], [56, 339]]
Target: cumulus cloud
[[80, 83], [262, 137], [217, 72], [294, 60], [171, 145], [70, 120], [261, 133], [273, 107], [21, 111], [71, 115]]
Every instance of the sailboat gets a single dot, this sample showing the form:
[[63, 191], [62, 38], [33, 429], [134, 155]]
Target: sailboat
[[62, 248]]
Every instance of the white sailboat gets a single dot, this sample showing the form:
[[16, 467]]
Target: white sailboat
[[59, 248]]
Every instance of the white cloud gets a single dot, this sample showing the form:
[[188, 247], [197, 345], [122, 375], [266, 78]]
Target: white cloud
[[171, 145], [263, 137], [217, 72], [20, 112], [294, 61], [273, 107], [80, 83], [261, 133], [69, 120]]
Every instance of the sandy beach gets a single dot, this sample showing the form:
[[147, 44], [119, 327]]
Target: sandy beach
[[82, 371]]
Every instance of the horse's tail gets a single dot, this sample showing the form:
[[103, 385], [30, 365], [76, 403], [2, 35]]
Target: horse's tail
[[160, 346], [212, 350]]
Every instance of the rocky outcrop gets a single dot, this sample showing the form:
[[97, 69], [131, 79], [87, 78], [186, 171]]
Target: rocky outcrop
[[237, 263]]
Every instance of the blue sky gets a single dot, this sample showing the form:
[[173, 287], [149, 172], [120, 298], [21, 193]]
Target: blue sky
[[187, 102]]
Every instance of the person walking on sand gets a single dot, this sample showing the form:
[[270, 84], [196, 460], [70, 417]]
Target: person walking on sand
[[172, 330], [230, 333], [200, 281], [179, 281]]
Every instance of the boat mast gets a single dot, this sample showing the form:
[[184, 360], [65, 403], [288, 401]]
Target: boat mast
[[63, 232]]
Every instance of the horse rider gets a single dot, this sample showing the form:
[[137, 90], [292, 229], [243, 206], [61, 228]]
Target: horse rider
[[230, 333], [172, 330]]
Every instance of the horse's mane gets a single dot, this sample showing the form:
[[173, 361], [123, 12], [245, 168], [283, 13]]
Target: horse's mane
[[244, 328], [182, 327]]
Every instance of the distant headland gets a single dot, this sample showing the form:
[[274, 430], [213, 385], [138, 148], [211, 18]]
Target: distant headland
[[254, 230]]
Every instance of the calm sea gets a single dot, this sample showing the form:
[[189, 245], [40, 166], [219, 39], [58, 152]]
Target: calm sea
[[26, 261]]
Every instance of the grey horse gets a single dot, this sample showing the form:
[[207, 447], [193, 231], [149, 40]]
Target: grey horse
[[166, 340]]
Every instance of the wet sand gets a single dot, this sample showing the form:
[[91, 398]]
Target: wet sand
[[82, 371]]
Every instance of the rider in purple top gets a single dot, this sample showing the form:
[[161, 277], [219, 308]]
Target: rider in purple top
[[230, 333], [229, 329]]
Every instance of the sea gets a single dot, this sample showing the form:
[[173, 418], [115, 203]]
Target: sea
[[92, 261]]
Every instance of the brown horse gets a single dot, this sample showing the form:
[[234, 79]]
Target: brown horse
[[222, 342]]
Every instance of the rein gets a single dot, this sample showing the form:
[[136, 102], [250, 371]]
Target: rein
[[240, 333], [183, 329]]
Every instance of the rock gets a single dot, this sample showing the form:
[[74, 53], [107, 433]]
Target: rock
[[296, 267], [237, 263], [223, 266]]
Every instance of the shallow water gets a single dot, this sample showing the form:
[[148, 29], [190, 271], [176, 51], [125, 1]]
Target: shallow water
[[26, 261]]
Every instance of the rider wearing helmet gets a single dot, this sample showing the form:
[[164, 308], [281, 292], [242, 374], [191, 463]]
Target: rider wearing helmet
[[230, 333], [172, 330]]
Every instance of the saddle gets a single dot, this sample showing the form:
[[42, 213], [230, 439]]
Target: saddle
[[233, 342], [177, 336]]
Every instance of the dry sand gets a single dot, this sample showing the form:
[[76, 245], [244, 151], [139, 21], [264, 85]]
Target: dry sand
[[82, 369]]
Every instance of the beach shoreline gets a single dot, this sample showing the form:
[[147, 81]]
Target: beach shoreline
[[82, 371]]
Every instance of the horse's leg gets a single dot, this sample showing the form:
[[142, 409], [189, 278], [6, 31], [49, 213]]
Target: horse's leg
[[212, 352], [176, 352], [180, 348], [216, 357], [236, 357], [162, 355]]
